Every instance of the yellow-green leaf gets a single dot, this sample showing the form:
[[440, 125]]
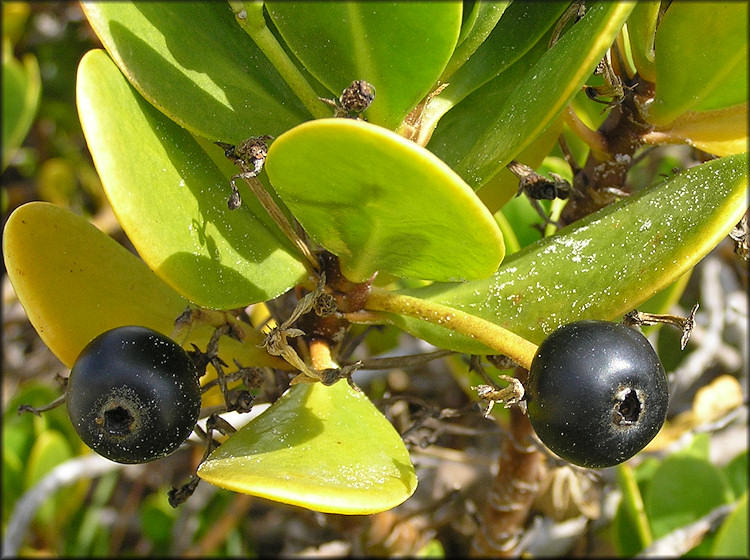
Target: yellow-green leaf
[[721, 132], [326, 448], [171, 199], [382, 203], [75, 282], [603, 265]]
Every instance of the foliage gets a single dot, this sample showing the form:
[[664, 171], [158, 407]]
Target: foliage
[[409, 210]]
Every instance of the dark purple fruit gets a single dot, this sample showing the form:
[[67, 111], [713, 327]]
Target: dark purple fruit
[[597, 393], [133, 395]]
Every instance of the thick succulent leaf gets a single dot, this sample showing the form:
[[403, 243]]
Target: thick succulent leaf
[[324, 448], [460, 128], [75, 282], [194, 63], [602, 266], [700, 75], [521, 26], [544, 92], [401, 48], [476, 27], [170, 199], [380, 202], [642, 31], [721, 132], [21, 92]]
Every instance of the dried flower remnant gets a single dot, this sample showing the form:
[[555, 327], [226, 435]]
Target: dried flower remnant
[[354, 100]]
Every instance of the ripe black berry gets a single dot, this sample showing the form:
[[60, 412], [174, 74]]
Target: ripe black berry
[[597, 393], [133, 395]]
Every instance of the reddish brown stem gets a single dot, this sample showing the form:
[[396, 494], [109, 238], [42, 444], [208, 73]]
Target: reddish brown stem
[[513, 490]]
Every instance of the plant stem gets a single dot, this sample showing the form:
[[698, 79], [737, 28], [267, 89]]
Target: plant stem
[[593, 138], [633, 503], [496, 337], [250, 17]]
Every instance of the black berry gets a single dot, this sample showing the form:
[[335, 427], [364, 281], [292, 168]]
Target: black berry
[[133, 395], [597, 393]]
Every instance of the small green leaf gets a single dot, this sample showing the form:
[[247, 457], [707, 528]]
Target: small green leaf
[[401, 48], [195, 64], [381, 202], [674, 499], [75, 282], [21, 93], [171, 199], [547, 88], [602, 266], [49, 450], [324, 448], [696, 75], [731, 540], [736, 472]]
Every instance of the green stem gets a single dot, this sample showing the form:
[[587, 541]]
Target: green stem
[[633, 503], [496, 337], [250, 17]]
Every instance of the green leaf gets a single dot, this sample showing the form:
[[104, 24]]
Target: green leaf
[[545, 91], [674, 499], [75, 282], [381, 202], [522, 25], [721, 132], [642, 30], [308, 449], [459, 129], [603, 265], [195, 64], [700, 75], [171, 199], [49, 450], [21, 93], [475, 29], [401, 48], [736, 472], [731, 540]]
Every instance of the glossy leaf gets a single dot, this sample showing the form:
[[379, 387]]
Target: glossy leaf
[[695, 75], [545, 91], [476, 27], [171, 199], [195, 64], [721, 132], [21, 94], [458, 131], [310, 449], [521, 26], [75, 282], [401, 48], [603, 265], [381, 202], [642, 31], [484, 82]]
